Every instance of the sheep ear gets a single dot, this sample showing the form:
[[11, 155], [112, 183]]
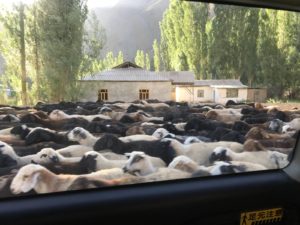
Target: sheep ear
[[31, 183]]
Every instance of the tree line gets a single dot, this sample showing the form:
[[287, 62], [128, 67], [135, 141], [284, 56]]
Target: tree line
[[261, 47], [49, 45]]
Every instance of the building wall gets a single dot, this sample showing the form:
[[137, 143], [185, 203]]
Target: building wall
[[257, 94], [190, 94], [125, 91], [184, 93], [221, 95]]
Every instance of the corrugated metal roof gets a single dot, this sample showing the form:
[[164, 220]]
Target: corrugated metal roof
[[220, 83], [136, 74]]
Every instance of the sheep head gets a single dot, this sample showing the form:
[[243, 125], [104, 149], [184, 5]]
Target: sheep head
[[183, 163], [105, 110], [220, 168], [279, 159], [78, 134], [57, 115], [26, 179], [46, 156], [138, 164], [160, 133], [220, 154], [191, 140], [89, 161], [276, 125]]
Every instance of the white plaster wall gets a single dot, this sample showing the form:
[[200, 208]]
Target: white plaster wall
[[221, 95], [125, 91]]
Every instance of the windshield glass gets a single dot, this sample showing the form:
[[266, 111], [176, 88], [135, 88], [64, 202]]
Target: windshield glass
[[107, 93]]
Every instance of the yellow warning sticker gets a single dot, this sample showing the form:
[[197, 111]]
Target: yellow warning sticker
[[262, 216]]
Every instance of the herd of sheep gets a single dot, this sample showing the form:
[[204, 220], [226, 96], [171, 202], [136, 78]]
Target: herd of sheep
[[73, 146]]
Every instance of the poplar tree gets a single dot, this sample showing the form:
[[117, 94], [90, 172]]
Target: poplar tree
[[156, 55], [61, 25]]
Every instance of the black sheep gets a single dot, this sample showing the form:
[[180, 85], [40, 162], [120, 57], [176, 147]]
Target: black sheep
[[241, 126], [234, 136], [152, 148], [41, 135], [218, 133], [204, 124], [172, 129]]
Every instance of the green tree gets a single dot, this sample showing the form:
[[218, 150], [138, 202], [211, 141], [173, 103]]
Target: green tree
[[147, 62], [288, 43], [111, 61], [156, 55], [93, 42], [271, 60], [14, 23], [140, 59], [61, 25]]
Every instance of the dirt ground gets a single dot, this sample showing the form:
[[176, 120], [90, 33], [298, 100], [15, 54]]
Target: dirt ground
[[284, 106]]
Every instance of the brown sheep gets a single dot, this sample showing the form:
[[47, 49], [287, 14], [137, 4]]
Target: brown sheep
[[282, 145], [257, 133]]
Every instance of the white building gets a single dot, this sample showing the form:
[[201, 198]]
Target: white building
[[129, 82]]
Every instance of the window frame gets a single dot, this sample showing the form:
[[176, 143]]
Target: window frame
[[201, 92], [103, 95], [144, 94], [232, 95]]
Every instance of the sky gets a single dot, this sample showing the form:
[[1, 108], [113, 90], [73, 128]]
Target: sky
[[91, 3]]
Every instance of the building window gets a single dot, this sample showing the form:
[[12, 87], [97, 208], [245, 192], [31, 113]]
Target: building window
[[200, 93], [232, 93], [144, 94], [103, 95]]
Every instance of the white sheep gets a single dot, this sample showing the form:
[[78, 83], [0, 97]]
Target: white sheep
[[138, 137], [200, 152], [144, 118], [180, 126], [268, 159], [82, 136], [186, 164], [60, 115], [126, 105], [191, 140], [284, 127], [37, 178], [56, 157], [155, 106], [292, 125], [161, 133], [142, 164], [43, 157], [6, 131], [112, 114], [74, 150], [80, 150], [102, 162], [86, 138]]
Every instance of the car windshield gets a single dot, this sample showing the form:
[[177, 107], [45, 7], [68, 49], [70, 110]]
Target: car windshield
[[117, 92]]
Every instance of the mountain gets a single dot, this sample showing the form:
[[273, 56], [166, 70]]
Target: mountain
[[131, 25]]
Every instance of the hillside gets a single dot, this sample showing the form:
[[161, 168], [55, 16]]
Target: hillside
[[131, 25]]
